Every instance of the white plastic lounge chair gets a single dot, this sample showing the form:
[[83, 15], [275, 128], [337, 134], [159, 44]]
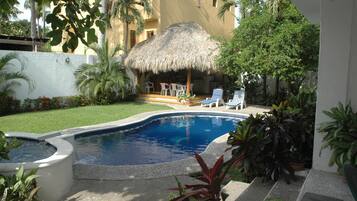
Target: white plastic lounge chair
[[237, 101], [217, 98]]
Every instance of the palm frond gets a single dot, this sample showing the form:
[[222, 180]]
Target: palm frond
[[226, 6], [106, 78]]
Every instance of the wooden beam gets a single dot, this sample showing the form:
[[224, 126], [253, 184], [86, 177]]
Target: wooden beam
[[188, 84]]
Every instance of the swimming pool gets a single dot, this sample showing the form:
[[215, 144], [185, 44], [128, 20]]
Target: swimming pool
[[30, 150], [163, 138]]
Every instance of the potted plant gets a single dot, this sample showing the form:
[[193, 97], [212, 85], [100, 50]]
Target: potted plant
[[340, 135], [186, 99]]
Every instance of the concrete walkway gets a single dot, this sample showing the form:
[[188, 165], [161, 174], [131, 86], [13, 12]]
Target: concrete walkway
[[140, 189], [126, 190]]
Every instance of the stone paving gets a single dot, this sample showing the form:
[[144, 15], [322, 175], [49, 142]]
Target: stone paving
[[139, 189]]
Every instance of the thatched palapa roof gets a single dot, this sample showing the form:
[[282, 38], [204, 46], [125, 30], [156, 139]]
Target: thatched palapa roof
[[180, 46]]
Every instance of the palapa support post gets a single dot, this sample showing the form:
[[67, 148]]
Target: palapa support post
[[188, 84]]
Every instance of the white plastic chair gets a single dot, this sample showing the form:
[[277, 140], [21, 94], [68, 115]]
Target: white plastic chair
[[173, 89], [149, 86], [164, 88], [181, 89]]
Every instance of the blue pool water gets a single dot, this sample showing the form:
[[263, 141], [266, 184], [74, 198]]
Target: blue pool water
[[29, 151], [162, 139]]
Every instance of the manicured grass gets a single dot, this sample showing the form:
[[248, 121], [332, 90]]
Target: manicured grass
[[53, 120]]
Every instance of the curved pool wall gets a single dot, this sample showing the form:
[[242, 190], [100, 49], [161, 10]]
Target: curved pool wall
[[55, 172], [120, 172]]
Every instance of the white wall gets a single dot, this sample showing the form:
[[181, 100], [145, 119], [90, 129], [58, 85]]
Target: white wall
[[337, 67], [50, 73]]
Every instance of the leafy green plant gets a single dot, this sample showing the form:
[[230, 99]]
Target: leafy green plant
[[185, 98], [9, 79], [6, 145], [259, 47], [21, 186], [212, 179], [273, 143], [79, 20], [105, 81], [8, 105], [248, 141], [340, 135]]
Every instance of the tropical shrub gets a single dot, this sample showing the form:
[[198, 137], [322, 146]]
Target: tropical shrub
[[21, 186], [9, 105], [272, 143], [45, 103], [6, 145], [259, 45], [9, 79], [105, 81], [212, 179], [340, 135]]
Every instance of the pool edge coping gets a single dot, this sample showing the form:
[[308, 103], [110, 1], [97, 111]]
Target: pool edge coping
[[64, 149]]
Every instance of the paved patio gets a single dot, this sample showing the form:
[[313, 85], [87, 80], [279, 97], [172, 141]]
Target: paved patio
[[140, 189], [133, 190]]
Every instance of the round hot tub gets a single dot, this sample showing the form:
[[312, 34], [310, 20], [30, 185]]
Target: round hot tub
[[51, 157]]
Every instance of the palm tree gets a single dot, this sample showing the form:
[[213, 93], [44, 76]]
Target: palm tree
[[106, 79], [40, 11], [10, 79], [33, 23], [247, 7], [226, 6], [128, 11]]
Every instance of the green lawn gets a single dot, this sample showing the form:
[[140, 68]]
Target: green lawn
[[46, 121]]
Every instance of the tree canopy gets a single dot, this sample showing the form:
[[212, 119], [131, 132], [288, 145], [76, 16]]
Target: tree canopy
[[278, 42], [78, 21], [15, 28]]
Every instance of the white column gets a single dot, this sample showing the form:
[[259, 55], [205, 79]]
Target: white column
[[337, 73]]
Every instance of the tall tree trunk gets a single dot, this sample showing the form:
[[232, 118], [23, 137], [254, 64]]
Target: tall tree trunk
[[265, 89], [43, 21], [33, 25], [126, 36], [38, 28], [277, 87], [102, 36]]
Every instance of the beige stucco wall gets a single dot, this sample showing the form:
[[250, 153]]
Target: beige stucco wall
[[166, 13]]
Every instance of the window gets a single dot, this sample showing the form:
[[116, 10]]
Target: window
[[214, 3], [132, 38], [149, 34]]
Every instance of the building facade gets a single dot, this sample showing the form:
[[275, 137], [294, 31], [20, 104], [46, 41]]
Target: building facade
[[166, 13]]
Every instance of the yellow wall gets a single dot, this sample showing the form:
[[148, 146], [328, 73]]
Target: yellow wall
[[166, 13]]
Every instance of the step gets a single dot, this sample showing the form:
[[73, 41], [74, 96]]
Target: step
[[256, 191], [234, 189], [316, 197], [285, 192], [326, 184]]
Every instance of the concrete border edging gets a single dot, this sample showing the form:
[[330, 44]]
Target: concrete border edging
[[55, 172]]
